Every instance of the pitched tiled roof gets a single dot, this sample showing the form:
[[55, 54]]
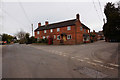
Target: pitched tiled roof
[[84, 26], [59, 24]]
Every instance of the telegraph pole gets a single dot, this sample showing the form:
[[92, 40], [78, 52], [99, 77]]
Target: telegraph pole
[[104, 20], [32, 29]]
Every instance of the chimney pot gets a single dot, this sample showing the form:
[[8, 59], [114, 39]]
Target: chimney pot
[[46, 22], [77, 16], [39, 24]]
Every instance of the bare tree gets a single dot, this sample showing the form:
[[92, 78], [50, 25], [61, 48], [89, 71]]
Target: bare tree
[[21, 36]]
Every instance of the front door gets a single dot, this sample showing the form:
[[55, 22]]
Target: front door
[[63, 38]]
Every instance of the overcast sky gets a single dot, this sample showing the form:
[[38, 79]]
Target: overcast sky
[[20, 14]]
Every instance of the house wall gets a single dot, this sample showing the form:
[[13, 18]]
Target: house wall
[[67, 32], [62, 30], [75, 32], [79, 33]]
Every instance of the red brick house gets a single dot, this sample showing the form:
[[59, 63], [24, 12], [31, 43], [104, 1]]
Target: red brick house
[[100, 35], [66, 32]]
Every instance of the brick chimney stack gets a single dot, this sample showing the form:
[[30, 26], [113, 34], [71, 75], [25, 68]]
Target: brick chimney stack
[[39, 24], [46, 22], [78, 16]]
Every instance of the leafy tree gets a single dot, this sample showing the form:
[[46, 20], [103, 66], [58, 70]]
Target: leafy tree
[[6, 37], [111, 29], [27, 39]]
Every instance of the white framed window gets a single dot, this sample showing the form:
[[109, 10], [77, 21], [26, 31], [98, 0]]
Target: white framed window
[[45, 31], [51, 30], [69, 28], [58, 37], [81, 28], [58, 29], [54, 36], [43, 37], [38, 32], [69, 37]]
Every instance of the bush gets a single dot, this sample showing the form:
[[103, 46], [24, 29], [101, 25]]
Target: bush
[[32, 40], [91, 41], [43, 40]]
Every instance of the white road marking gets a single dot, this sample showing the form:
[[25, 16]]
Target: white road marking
[[72, 57], [113, 64], [88, 62], [80, 60], [106, 67], [93, 63], [63, 54], [99, 65], [98, 61]]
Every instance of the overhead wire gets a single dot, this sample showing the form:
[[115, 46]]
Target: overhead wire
[[96, 10], [24, 11], [25, 14], [13, 18], [100, 8]]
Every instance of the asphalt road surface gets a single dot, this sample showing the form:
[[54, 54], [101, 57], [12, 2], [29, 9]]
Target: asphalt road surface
[[35, 61]]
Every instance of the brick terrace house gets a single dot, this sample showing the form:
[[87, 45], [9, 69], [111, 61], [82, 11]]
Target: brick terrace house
[[65, 32]]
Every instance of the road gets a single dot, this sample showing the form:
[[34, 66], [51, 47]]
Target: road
[[94, 60]]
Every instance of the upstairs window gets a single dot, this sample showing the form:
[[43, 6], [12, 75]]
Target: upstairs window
[[69, 37], [45, 31], [51, 30], [38, 32], [68, 28], [81, 28], [58, 29]]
